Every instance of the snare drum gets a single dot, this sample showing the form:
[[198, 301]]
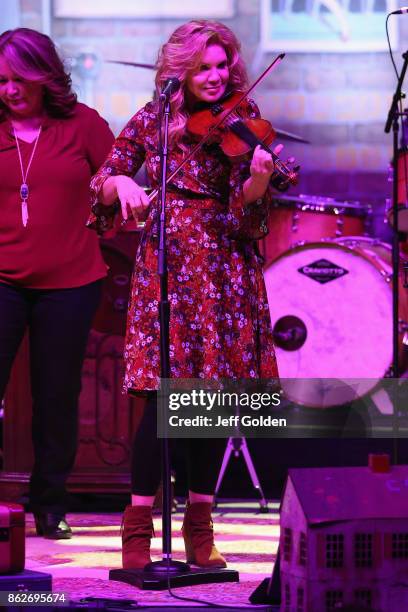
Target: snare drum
[[296, 220], [331, 311]]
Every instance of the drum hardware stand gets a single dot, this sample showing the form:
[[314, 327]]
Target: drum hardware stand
[[340, 225], [239, 446]]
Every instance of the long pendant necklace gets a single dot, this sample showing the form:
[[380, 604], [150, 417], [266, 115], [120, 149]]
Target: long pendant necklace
[[24, 191]]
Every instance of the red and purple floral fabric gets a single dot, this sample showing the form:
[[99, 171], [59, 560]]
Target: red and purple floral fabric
[[219, 321]]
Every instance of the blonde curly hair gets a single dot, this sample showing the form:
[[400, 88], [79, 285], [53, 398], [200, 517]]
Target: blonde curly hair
[[181, 56]]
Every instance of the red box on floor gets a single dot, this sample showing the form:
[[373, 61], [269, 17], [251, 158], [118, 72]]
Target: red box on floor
[[12, 538]]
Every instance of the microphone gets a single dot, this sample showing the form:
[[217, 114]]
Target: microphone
[[403, 9], [170, 87]]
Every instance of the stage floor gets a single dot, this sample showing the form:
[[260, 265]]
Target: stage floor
[[80, 566]]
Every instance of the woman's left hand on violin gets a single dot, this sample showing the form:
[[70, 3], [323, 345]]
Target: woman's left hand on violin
[[262, 165], [261, 169]]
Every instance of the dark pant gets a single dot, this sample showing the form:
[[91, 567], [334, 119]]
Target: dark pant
[[203, 457], [58, 321]]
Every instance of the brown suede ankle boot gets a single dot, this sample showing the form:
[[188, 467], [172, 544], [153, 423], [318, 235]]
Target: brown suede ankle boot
[[198, 536], [137, 531]]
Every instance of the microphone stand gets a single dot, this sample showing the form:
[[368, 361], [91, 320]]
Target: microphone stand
[[167, 573], [167, 566]]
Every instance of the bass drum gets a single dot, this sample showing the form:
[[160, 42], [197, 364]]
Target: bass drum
[[331, 311]]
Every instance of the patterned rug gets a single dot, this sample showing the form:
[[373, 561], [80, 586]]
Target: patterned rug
[[80, 566]]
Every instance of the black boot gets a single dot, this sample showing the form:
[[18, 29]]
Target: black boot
[[52, 526]]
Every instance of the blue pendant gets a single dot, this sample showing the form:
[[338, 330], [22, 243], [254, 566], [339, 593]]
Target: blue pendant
[[24, 191]]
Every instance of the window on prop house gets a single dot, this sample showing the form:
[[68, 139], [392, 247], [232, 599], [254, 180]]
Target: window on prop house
[[363, 549], [399, 548], [302, 549], [334, 600], [363, 597], [287, 598], [334, 550], [300, 601], [287, 544]]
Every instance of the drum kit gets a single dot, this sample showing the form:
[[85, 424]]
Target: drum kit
[[329, 289]]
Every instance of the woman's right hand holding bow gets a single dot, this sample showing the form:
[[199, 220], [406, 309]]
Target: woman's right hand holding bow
[[131, 196]]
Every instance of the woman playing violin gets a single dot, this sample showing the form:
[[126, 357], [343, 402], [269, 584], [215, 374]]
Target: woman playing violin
[[219, 321]]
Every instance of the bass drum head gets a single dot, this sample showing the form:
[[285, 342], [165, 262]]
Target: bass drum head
[[331, 311]]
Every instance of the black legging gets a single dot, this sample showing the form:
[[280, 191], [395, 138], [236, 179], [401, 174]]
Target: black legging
[[203, 457]]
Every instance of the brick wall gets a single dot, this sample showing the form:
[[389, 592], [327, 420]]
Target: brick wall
[[338, 101]]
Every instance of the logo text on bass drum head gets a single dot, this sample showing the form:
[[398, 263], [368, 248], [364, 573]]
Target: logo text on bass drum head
[[323, 271]]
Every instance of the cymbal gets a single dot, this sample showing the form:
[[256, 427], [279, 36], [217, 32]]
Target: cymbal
[[289, 136], [134, 64]]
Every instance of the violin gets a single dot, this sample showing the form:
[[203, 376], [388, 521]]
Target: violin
[[223, 123]]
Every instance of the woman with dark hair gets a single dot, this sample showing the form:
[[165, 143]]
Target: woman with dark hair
[[219, 316], [50, 263]]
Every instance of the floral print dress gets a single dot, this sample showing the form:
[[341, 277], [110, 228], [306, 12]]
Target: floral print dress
[[219, 317]]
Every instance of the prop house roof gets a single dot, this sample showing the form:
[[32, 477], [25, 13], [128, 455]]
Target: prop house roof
[[350, 493]]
